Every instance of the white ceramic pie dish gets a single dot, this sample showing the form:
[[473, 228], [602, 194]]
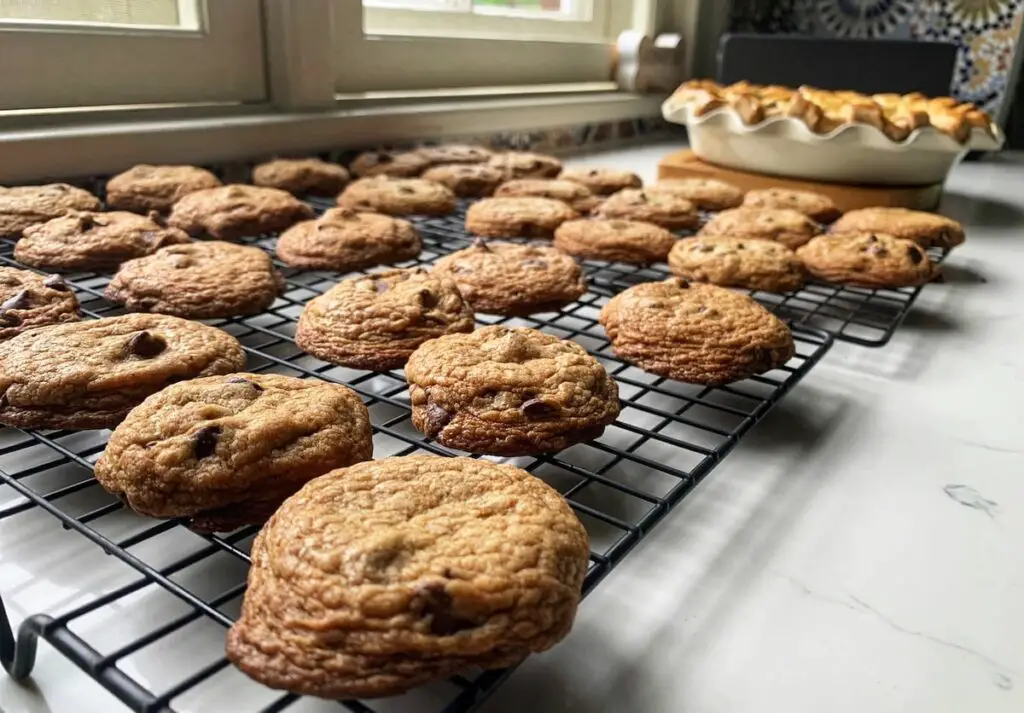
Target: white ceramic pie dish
[[853, 153]]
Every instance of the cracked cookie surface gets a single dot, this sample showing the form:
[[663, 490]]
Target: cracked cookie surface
[[237, 211], [696, 333], [467, 180], [926, 229], [91, 374], [226, 451], [201, 280], [705, 193], [343, 239], [143, 188], [789, 227], [815, 206], [25, 206], [28, 300], [738, 262], [376, 321], [615, 240], [663, 209], [602, 181], [301, 176], [417, 568], [398, 196], [517, 217], [868, 260], [525, 164], [506, 278], [94, 241], [509, 391], [398, 164], [576, 195]]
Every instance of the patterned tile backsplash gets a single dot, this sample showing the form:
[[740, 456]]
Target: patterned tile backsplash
[[987, 31]]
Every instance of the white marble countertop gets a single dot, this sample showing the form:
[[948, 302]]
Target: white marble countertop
[[861, 550]]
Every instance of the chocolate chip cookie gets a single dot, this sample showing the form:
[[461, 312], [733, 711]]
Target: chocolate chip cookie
[[925, 229], [738, 262], [301, 176], [237, 211], [143, 188], [700, 334], [398, 196], [376, 321], [665, 209], [202, 280], [508, 217], [504, 278], [705, 193], [814, 205], [91, 374], [399, 164], [615, 240], [523, 164], [468, 180], [24, 206], [414, 569], [28, 300], [447, 154], [868, 260], [789, 227], [509, 392], [343, 239], [226, 451], [94, 241], [576, 195], [602, 181]]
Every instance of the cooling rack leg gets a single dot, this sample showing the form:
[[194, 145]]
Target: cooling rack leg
[[18, 657]]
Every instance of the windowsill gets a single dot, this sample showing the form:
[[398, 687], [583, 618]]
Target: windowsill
[[56, 151]]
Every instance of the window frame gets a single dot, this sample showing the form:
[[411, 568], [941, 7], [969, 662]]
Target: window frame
[[219, 59]]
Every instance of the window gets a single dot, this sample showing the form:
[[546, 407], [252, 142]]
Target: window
[[438, 44], [111, 52]]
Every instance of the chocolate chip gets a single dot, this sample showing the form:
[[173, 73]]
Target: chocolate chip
[[437, 604], [243, 380], [204, 441], [428, 299], [880, 251], [19, 301], [405, 190], [56, 282], [86, 222], [535, 408], [146, 345], [706, 248], [915, 254], [383, 158], [872, 238], [593, 172], [740, 246], [437, 419], [9, 319], [642, 196], [535, 262], [681, 283], [380, 286]]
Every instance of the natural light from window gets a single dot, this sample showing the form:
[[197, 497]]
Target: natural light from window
[[577, 10], [159, 13]]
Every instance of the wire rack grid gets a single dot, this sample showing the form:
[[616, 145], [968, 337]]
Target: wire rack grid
[[668, 437]]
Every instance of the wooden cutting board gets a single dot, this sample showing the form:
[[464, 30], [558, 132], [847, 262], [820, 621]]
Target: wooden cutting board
[[684, 164]]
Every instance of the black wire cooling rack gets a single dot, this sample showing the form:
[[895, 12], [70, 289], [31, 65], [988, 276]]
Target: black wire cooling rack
[[864, 316], [668, 437]]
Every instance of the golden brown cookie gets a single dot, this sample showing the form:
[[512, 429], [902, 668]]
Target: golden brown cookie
[[467, 180], [413, 569], [201, 280], [700, 334], [447, 154], [28, 300], [24, 206], [523, 164], [343, 239], [738, 262], [398, 164], [504, 278], [815, 206], [237, 211], [143, 188], [925, 229], [576, 195], [602, 181], [225, 451], [868, 260], [301, 176], [665, 209], [508, 217], [615, 240], [509, 391], [789, 227], [91, 374], [376, 321], [94, 241], [705, 193], [398, 196]]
